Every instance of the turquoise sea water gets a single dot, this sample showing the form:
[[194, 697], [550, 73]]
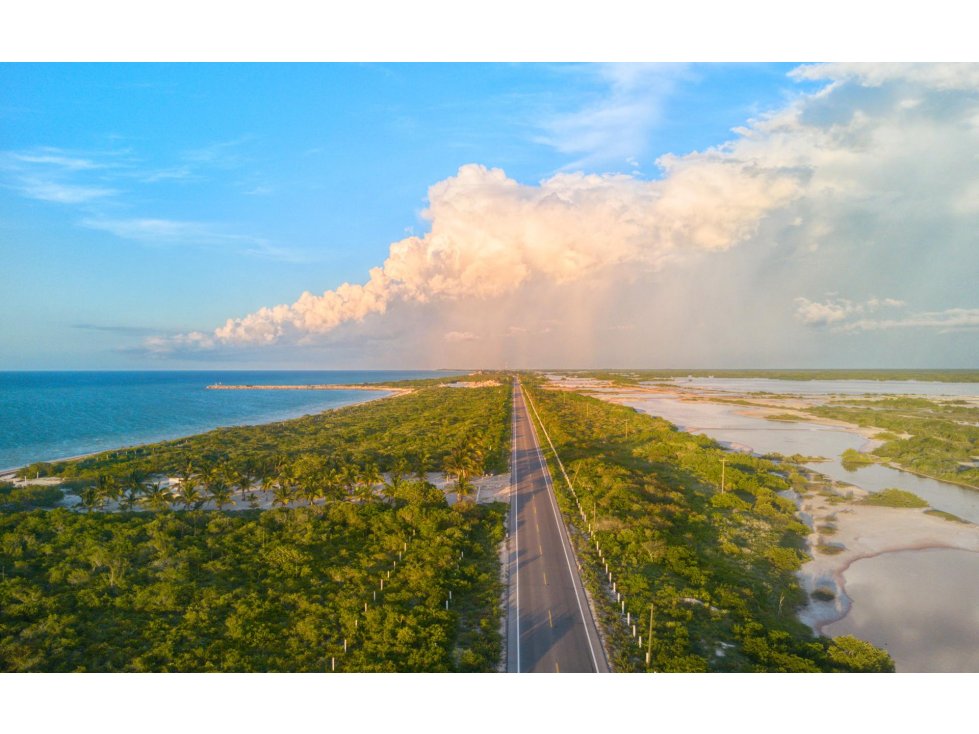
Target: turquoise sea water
[[51, 415]]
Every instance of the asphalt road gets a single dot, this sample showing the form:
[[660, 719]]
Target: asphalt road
[[550, 628]]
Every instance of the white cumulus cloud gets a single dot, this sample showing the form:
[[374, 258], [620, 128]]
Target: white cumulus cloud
[[834, 310], [489, 234], [856, 188]]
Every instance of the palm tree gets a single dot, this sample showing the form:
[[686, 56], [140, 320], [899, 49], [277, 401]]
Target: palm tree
[[462, 462], [189, 496], [133, 489], [106, 489], [282, 494], [350, 478], [334, 485], [231, 476], [311, 490], [244, 481], [422, 462], [269, 483], [90, 496], [220, 492], [131, 497], [187, 477], [157, 497], [399, 472], [464, 489], [370, 477]]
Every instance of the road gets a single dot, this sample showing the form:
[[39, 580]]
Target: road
[[550, 628]]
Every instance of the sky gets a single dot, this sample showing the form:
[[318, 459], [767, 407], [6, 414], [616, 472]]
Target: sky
[[320, 216]]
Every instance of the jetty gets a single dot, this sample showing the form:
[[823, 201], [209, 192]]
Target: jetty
[[379, 388]]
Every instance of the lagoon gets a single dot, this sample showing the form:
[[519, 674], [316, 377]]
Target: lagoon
[[827, 387], [922, 606], [726, 424]]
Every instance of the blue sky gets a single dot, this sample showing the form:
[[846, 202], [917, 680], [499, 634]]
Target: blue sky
[[141, 201]]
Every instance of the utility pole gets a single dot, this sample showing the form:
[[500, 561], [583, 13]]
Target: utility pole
[[649, 648], [723, 466]]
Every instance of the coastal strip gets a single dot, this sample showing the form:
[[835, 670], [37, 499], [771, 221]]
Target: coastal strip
[[378, 388], [9, 473]]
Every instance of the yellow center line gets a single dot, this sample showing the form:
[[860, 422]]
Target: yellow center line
[[557, 668], [549, 620], [545, 578]]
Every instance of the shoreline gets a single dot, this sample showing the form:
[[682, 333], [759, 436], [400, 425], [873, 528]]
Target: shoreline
[[615, 394], [9, 473], [863, 532]]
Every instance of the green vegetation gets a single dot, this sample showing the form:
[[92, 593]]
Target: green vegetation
[[823, 594], [785, 417], [718, 569], [795, 458], [275, 590], [852, 459], [946, 515], [637, 376], [13, 498], [454, 377], [944, 436], [850, 653], [892, 497], [829, 549], [254, 591]]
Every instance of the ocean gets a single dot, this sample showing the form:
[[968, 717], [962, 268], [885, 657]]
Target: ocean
[[53, 415]]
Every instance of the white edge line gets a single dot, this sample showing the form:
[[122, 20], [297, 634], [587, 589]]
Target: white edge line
[[516, 525], [564, 541]]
